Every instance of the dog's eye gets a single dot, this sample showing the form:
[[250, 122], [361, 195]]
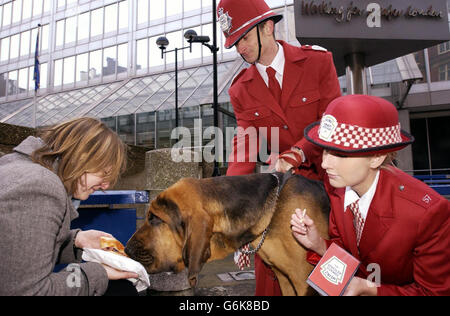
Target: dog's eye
[[153, 219]]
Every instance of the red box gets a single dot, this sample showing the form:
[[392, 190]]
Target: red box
[[334, 271]]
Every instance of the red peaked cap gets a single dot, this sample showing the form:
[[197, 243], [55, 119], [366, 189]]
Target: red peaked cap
[[238, 17], [359, 125]]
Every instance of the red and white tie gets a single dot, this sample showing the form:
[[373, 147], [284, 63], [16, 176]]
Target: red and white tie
[[274, 85], [244, 259], [358, 220]]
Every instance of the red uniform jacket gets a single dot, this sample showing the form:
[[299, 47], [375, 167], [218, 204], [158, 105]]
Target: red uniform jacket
[[407, 233], [309, 84]]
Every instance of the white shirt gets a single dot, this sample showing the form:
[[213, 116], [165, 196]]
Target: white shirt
[[365, 200], [277, 64]]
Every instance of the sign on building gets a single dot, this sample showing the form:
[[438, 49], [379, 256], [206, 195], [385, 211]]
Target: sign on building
[[381, 30]]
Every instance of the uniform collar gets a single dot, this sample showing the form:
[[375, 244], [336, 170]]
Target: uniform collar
[[365, 200], [277, 64]]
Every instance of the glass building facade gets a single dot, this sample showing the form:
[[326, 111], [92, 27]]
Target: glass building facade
[[99, 58]]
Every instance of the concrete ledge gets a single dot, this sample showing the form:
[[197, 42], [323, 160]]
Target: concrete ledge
[[169, 282]]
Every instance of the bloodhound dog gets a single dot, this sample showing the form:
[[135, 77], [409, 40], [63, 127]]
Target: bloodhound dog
[[196, 221]]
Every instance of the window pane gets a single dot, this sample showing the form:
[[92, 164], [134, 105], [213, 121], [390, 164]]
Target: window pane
[[82, 67], [142, 12], [14, 53], [190, 5], [3, 85], [95, 64], [69, 70], [43, 80], [44, 37], [71, 29], [123, 14], [196, 49], [175, 40], [61, 3], [4, 50], [142, 54], [207, 30], [25, 43], [23, 80], [83, 26], [97, 22], [30, 78], [175, 7], [47, 6], [7, 13], [155, 53], [60, 33], [17, 11], [122, 58], [109, 61], [37, 7], [111, 18], [58, 72], [157, 9], [33, 40], [12, 82], [26, 12]]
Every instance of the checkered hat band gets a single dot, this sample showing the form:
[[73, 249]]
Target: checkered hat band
[[355, 137]]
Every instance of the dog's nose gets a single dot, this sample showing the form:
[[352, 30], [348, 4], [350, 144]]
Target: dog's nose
[[129, 252], [132, 248], [136, 251]]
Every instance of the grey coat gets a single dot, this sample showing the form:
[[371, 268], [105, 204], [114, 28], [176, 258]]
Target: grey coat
[[35, 235]]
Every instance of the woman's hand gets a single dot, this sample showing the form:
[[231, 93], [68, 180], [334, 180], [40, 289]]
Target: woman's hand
[[90, 239], [114, 274], [359, 286], [283, 166], [289, 160], [306, 232]]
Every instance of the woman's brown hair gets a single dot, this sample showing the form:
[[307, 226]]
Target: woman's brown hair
[[78, 146]]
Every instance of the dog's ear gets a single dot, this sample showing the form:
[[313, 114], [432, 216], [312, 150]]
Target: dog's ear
[[196, 249]]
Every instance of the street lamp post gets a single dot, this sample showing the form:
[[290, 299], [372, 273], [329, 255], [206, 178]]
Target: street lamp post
[[192, 37], [163, 42]]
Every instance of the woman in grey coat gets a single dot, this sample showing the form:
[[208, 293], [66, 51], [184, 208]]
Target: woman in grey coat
[[38, 184]]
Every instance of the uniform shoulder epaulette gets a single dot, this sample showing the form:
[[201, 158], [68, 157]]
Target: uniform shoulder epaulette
[[239, 75], [418, 193], [315, 47]]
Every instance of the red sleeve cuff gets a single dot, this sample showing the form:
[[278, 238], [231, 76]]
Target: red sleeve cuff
[[313, 258]]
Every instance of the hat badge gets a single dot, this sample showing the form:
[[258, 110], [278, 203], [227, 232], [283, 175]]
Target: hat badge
[[225, 21], [327, 128]]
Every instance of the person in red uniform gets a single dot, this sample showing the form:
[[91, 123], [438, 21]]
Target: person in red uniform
[[286, 87], [396, 225]]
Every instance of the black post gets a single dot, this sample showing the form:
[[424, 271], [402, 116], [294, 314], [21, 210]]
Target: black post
[[216, 171], [176, 87]]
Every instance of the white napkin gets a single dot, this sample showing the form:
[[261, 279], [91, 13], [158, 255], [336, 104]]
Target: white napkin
[[120, 263]]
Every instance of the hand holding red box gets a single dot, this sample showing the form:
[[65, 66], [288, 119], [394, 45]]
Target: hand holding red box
[[334, 272]]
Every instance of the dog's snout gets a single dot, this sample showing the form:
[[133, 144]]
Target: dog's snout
[[132, 248], [135, 250]]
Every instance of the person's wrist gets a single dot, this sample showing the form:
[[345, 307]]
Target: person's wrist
[[76, 241], [299, 151], [321, 247], [370, 289]]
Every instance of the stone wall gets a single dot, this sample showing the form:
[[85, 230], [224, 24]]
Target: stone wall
[[11, 136]]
